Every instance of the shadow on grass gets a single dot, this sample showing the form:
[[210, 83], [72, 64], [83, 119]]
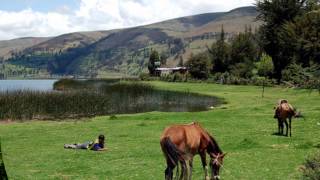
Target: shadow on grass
[[3, 173], [278, 134]]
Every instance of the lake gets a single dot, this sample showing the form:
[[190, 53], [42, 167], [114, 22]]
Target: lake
[[39, 85], [95, 98]]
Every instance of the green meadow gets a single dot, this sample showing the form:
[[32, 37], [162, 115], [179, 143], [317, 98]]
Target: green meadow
[[244, 128]]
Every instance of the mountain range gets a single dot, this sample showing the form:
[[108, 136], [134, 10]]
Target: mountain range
[[124, 51]]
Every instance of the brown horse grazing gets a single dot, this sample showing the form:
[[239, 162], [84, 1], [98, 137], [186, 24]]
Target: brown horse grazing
[[180, 143], [284, 111]]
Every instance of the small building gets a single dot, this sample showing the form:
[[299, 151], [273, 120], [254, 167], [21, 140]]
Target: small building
[[167, 71]]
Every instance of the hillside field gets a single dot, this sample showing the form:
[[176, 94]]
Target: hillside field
[[244, 128]]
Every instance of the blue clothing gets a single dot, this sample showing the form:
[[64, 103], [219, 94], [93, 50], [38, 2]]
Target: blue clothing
[[97, 146]]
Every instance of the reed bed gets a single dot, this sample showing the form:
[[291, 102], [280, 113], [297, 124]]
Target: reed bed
[[107, 99]]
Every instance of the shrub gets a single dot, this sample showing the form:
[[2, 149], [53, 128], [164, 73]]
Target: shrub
[[227, 78], [311, 168], [259, 81], [147, 77], [299, 76], [199, 66], [144, 76], [295, 74]]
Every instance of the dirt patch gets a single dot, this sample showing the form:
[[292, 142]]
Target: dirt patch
[[280, 146]]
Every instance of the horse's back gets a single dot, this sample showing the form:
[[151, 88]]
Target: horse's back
[[183, 135]]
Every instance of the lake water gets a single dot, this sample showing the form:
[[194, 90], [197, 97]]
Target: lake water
[[39, 85], [101, 98]]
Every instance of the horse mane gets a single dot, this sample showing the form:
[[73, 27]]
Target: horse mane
[[213, 146]]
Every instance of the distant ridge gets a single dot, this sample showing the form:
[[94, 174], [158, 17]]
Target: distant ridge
[[127, 50]]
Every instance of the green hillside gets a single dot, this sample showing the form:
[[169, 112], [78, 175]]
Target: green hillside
[[126, 51]]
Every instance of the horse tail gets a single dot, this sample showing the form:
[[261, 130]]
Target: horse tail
[[298, 114], [171, 151]]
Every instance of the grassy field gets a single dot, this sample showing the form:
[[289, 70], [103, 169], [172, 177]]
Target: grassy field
[[244, 129]]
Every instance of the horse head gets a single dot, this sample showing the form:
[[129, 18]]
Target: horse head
[[276, 112], [216, 162]]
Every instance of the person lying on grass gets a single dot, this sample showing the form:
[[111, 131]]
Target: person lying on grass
[[97, 145]]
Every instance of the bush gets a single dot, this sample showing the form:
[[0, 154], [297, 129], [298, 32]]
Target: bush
[[227, 78], [199, 66], [311, 168], [242, 70], [176, 77], [258, 81], [295, 74], [147, 77], [299, 76], [144, 76]]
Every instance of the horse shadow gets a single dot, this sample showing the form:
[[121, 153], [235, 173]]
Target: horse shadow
[[277, 134]]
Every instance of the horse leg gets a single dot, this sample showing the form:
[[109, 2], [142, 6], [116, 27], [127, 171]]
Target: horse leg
[[290, 125], [204, 164], [168, 173], [184, 170], [190, 170], [169, 170], [285, 121], [279, 126]]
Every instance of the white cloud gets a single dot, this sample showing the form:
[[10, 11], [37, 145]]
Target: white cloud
[[105, 14]]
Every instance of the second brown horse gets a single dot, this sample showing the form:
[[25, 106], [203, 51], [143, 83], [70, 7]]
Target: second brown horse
[[180, 143], [284, 111]]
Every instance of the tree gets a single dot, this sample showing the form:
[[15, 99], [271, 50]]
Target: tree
[[274, 14], [220, 54], [265, 68], [163, 58], [302, 38], [265, 65], [244, 52], [312, 5], [180, 64], [199, 66], [154, 57]]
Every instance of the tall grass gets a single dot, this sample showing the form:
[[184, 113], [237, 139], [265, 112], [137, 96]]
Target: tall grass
[[115, 98], [70, 84]]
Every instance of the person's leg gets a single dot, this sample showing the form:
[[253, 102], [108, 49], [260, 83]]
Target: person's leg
[[78, 145], [70, 146], [83, 145]]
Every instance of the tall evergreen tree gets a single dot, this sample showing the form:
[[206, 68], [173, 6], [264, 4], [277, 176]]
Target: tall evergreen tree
[[244, 52], [302, 38], [219, 54], [274, 14], [153, 59]]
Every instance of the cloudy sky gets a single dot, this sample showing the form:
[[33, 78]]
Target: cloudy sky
[[24, 18]]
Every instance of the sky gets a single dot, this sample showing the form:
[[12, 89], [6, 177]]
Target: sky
[[44, 18]]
